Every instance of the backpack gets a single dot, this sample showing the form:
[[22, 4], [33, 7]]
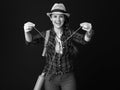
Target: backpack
[[45, 43]]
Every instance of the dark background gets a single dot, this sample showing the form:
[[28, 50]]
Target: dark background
[[97, 63]]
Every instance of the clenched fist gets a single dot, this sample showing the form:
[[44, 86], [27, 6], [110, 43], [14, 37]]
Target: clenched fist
[[86, 26], [28, 26]]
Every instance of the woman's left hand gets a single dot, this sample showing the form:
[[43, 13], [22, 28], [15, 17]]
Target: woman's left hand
[[86, 26]]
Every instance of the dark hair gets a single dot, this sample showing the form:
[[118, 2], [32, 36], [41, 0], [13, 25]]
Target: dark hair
[[66, 23]]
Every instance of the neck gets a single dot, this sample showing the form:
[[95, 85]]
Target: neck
[[58, 30]]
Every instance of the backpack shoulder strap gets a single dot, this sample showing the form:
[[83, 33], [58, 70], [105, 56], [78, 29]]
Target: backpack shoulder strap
[[45, 43]]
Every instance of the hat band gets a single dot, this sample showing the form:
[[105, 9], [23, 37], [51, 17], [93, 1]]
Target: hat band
[[58, 10]]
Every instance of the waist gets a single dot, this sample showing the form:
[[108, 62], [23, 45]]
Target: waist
[[61, 75]]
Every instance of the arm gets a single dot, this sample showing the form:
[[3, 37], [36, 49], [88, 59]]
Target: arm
[[39, 82], [88, 35], [27, 28], [89, 32], [81, 38], [29, 37]]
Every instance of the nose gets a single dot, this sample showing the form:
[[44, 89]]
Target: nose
[[58, 19]]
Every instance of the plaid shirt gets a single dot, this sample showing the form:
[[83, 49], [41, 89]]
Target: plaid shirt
[[60, 63]]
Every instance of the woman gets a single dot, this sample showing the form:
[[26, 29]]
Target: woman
[[58, 49]]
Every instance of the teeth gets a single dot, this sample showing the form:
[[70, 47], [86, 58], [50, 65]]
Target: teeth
[[58, 23]]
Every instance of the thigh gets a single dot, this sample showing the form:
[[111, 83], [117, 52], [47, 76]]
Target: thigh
[[51, 85], [68, 82]]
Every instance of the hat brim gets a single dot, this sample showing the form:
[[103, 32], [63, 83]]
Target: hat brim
[[50, 13]]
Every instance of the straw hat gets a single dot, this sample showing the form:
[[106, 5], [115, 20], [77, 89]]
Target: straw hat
[[58, 8]]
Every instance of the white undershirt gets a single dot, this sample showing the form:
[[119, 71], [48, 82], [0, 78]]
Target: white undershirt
[[58, 47]]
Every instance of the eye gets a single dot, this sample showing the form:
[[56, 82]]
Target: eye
[[55, 16], [61, 16]]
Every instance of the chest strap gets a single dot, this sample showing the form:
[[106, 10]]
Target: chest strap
[[45, 43]]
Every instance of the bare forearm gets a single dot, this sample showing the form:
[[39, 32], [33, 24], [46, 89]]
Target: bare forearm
[[27, 28], [28, 36], [88, 35]]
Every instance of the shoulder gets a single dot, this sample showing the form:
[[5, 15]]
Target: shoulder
[[68, 31]]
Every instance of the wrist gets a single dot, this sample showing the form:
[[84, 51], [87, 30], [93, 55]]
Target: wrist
[[89, 33], [26, 31]]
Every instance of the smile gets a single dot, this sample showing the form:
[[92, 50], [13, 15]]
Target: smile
[[58, 23]]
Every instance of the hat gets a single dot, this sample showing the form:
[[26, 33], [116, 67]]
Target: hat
[[58, 8]]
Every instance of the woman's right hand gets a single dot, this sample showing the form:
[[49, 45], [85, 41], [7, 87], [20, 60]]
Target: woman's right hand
[[28, 26], [40, 81]]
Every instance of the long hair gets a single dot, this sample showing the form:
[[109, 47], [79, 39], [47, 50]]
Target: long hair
[[66, 23]]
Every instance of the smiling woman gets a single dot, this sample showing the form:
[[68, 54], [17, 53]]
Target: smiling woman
[[57, 20], [58, 49]]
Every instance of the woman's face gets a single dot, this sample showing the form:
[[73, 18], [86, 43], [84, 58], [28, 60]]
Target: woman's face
[[57, 20]]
